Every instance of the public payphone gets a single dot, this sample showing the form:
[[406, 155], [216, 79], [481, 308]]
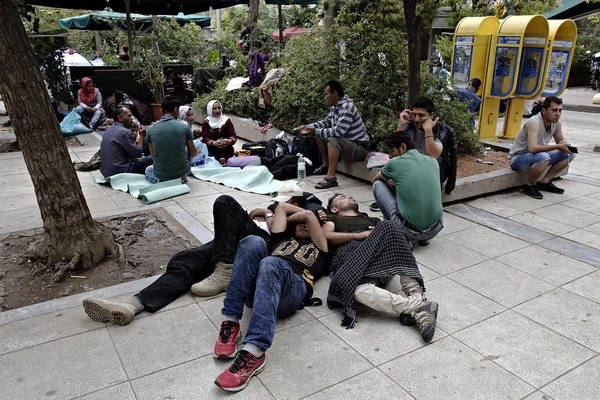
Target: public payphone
[[562, 36], [533, 31]]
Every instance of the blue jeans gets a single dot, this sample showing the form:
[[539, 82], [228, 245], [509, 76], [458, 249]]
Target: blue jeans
[[95, 118], [527, 160], [266, 284], [153, 179], [385, 196]]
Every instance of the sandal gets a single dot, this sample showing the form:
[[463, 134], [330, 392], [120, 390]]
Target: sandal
[[321, 170], [327, 183]]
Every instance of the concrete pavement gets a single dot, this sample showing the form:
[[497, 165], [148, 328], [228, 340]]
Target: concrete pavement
[[516, 280]]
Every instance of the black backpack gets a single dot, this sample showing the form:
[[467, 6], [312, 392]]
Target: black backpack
[[307, 146], [256, 148], [271, 147]]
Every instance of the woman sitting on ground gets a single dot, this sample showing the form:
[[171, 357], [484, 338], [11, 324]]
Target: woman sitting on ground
[[218, 132], [186, 114], [90, 102]]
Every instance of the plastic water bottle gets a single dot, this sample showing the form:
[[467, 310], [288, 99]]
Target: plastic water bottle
[[278, 151], [301, 168]]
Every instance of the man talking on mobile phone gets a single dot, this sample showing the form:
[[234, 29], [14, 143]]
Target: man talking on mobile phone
[[532, 150]]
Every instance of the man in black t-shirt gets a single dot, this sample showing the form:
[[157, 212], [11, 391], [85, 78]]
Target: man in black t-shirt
[[372, 251], [272, 285]]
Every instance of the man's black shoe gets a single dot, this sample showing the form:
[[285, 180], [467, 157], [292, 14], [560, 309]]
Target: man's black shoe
[[550, 187], [374, 206], [532, 191]]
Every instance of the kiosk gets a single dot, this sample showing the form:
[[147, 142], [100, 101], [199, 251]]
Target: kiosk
[[530, 70]]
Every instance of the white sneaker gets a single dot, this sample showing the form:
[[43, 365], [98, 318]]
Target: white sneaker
[[216, 283]]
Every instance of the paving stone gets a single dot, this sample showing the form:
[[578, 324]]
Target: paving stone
[[460, 307], [518, 200], [539, 395], [447, 369], [207, 219], [547, 265], [102, 204], [61, 369], [193, 206], [532, 352], [584, 237], [567, 215], [119, 392], [379, 337], [487, 204], [584, 203], [195, 380], [571, 249], [586, 286], [535, 221], [486, 241], [319, 358], [501, 283], [23, 218], [452, 224], [568, 314], [593, 228], [362, 387], [580, 383], [501, 224], [361, 193], [147, 345], [444, 256], [45, 328]]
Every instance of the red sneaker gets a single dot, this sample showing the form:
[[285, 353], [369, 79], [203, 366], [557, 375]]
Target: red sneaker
[[237, 376], [228, 337]]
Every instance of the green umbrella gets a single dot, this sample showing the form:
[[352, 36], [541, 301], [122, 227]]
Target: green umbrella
[[105, 20]]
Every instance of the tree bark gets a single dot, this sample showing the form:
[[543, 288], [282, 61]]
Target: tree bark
[[252, 19], [414, 24], [332, 10], [70, 231]]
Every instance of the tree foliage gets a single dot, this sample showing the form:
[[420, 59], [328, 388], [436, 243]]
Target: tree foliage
[[498, 8]]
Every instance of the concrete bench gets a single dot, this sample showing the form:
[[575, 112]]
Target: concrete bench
[[467, 187]]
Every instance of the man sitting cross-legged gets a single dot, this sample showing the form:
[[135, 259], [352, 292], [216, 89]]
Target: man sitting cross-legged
[[371, 251], [195, 267], [275, 284]]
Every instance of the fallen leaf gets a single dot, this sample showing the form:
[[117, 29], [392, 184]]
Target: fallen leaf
[[490, 358]]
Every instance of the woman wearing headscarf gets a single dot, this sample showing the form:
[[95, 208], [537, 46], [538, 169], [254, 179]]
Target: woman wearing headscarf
[[218, 132], [186, 114], [90, 102]]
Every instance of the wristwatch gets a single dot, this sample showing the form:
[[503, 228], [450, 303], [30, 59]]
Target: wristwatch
[[268, 215]]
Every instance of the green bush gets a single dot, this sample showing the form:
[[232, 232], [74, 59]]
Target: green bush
[[587, 40]]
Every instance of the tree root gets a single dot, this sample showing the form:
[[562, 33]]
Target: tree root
[[63, 268]]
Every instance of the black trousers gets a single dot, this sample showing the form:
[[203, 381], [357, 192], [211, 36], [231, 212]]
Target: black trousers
[[187, 267]]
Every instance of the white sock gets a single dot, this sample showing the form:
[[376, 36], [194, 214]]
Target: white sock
[[234, 320], [253, 349], [135, 301]]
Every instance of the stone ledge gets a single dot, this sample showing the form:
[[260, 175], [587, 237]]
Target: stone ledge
[[467, 187]]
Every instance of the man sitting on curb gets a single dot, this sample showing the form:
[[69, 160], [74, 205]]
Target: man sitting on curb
[[195, 268], [170, 143], [531, 149], [341, 135], [119, 150], [408, 190], [371, 251], [272, 284]]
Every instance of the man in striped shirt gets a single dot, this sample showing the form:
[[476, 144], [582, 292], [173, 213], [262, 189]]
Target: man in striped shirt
[[341, 135]]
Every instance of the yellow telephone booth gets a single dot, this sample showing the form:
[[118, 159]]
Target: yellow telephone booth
[[472, 42], [562, 36], [532, 32]]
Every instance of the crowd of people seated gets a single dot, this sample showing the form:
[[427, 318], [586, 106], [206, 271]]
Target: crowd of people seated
[[269, 259]]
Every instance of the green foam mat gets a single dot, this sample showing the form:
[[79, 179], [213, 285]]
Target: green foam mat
[[139, 187], [254, 179]]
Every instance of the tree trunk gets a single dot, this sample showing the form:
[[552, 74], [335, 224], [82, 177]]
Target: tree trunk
[[332, 10], [72, 236], [414, 23], [252, 19]]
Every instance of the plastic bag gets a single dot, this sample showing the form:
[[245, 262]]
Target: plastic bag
[[72, 125], [202, 153]]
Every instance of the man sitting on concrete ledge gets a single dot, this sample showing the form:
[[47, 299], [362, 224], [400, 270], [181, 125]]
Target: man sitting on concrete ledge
[[408, 190], [531, 149], [341, 135]]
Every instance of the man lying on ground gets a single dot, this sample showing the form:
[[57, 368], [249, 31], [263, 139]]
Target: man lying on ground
[[206, 269], [273, 284], [372, 251]]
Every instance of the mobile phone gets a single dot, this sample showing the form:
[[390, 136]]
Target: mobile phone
[[572, 149]]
